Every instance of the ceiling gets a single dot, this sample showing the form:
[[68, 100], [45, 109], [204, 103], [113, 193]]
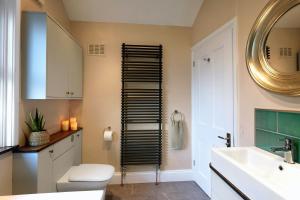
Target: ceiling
[[156, 12]]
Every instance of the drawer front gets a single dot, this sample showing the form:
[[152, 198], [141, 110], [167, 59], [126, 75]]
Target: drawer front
[[62, 146]]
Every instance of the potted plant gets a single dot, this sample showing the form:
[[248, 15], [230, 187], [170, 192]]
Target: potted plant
[[38, 135]]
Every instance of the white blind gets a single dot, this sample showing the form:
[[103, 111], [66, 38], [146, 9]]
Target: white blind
[[9, 71]]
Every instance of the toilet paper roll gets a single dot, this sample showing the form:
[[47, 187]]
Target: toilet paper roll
[[107, 135]]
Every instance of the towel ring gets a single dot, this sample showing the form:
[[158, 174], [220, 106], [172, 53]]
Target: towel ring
[[176, 113]]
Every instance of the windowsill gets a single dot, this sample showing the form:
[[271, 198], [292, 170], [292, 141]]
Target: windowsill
[[4, 150]]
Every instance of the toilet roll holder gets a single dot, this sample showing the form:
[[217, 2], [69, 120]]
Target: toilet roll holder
[[108, 129]]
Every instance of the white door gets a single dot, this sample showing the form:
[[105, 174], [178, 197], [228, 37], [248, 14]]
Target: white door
[[213, 100]]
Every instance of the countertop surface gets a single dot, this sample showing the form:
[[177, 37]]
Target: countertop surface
[[88, 195], [54, 138], [4, 150]]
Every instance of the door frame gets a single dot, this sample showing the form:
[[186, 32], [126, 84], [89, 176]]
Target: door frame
[[232, 24]]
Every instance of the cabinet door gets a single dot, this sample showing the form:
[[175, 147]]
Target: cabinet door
[[62, 164], [75, 70], [45, 171], [77, 148], [57, 61]]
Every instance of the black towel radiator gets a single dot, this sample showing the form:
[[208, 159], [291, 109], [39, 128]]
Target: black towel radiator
[[141, 106]]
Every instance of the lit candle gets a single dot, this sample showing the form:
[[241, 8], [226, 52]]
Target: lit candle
[[74, 126], [73, 119], [65, 125]]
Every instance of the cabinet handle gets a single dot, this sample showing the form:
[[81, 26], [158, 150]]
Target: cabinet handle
[[78, 135], [51, 151], [72, 93], [67, 92], [72, 138]]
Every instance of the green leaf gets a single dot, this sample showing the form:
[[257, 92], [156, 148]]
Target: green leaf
[[36, 123]]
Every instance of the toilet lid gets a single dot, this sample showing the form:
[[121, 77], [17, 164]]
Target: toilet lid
[[91, 172]]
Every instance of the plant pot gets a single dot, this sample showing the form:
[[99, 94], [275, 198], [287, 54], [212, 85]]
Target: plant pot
[[38, 138]]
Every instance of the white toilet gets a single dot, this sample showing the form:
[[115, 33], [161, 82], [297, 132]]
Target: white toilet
[[86, 177]]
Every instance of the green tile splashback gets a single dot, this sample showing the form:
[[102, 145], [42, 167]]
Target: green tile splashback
[[272, 127], [266, 120], [289, 124]]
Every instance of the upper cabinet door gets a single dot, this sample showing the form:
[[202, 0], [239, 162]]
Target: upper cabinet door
[[75, 70], [51, 60], [58, 54]]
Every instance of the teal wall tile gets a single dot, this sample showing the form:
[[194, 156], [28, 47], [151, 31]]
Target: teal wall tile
[[271, 132], [266, 120], [289, 123], [266, 139]]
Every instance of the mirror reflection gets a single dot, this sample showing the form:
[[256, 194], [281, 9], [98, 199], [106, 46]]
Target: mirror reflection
[[282, 49]]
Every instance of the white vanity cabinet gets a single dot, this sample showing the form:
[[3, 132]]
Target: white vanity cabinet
[[220, 190], [52, 62], [78, 148], [38, 172]]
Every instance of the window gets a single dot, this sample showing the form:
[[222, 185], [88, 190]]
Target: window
[[9, 71]]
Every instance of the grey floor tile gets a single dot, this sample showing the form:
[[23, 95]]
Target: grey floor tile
[[150, 191]]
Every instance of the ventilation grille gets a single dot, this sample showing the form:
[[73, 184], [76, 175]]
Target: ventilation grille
[[285, 52], [96, 50]]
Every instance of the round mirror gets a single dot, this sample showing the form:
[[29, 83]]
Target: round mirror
[[282, 50], [273, 48]]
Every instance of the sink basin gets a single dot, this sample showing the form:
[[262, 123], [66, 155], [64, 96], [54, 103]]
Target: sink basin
[[258, 173]]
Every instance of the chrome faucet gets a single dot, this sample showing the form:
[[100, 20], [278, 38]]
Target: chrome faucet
[[287, 149]]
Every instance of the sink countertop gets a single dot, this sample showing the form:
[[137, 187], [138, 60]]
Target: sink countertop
[[54, 138], [257, 173], [90, 195]]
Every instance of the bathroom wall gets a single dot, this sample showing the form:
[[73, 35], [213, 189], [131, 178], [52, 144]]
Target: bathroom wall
[[212, 15], [250, 96], [53, 110], [272, 127], [102, 86]]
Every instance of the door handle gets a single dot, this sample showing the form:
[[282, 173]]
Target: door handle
[[227, 138]]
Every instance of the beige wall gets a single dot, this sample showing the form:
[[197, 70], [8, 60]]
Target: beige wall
[[250, 96], [6, 174], [53, 110], [102, 85], [212, 15]]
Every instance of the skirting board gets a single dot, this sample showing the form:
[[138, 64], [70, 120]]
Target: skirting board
[[149, 176]]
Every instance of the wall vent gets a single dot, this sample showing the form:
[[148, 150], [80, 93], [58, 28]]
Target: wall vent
[[96, 50], [285, 52]]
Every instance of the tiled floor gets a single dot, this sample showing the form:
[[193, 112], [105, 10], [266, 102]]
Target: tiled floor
[[150, 191]]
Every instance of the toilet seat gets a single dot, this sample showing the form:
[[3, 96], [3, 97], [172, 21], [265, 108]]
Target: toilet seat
[[85, 177]]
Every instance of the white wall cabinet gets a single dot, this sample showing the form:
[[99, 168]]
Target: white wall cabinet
[[52, 62], [38, 172]]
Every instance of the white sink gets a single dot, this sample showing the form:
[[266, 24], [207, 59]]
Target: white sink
[[256, 172]]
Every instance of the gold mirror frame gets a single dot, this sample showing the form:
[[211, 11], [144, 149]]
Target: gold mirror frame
[[259, 68]]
